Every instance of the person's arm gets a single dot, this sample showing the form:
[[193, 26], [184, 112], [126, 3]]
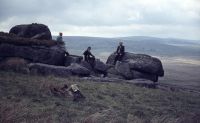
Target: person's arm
[[85, 53], [90, 54]]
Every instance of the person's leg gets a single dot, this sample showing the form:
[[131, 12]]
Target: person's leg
[[85, 58], [66, 53], [75, 96], [116, 58], [92, 62], [121, 57], [80, 94]]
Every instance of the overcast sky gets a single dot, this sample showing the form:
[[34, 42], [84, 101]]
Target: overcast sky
[[107, 18]]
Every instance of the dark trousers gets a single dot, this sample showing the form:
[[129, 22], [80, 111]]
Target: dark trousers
[[90, 60], [78, 95], [118, 57]]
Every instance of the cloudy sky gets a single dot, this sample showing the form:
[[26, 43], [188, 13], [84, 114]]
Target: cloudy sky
[[107, 18]]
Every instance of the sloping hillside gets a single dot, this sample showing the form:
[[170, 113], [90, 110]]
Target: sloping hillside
[[26, 98]]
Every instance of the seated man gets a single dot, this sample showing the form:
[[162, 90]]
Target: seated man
[[119, 53], [59, 38], [89, 57], [62, 43]]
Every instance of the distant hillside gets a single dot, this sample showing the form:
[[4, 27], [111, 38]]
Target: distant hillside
[[139, 44]]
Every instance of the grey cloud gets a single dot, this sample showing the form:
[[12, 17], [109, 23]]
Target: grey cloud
[[62, 14]]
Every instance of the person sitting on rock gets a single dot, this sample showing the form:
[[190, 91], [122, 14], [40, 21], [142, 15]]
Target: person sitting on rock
[[59, 38], [89, 57], [119, 53], [76, 92], [62, 43]]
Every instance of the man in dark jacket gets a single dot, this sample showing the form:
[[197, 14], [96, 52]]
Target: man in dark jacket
[[119, 53], [89, 57]]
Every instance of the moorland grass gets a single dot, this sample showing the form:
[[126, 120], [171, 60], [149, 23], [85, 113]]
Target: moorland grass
[[27, 98]]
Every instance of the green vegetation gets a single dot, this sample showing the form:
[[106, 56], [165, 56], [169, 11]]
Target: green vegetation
[[26, 98]]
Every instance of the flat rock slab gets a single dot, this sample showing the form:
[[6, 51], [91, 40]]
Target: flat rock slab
[[45, 69]]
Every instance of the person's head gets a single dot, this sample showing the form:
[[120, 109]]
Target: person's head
[[89, 48], [120, 43], [60, 34]]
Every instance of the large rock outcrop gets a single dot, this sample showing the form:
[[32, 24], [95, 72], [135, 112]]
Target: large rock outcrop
[[44, 69], [34, 31], [124, 70], [46, 55], [79, 70], [72, 70], [73, 59], [100, 66], [135, 66]]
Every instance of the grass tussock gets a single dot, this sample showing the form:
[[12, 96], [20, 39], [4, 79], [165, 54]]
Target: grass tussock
[[13, 39], [14, 64], [26, 98]]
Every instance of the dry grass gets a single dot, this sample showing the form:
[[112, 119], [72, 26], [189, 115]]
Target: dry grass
[[26, 98], [13, 39], [14, 64]]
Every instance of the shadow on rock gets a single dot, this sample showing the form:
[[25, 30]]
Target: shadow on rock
[[147, 85]]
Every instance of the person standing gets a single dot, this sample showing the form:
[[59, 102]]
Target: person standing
[[119, 53]]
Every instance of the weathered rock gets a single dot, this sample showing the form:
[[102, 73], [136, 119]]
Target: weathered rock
[[77, 69], [148, 65], [20, 41], [1, 58], [72, 59], [34, 31], [110, 75], [34, 54], [139, 75], [113, 73], [86, 65], [124, 70], [141, 62], [14, 64], [44, 69], [100, 66], [112, 70]]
